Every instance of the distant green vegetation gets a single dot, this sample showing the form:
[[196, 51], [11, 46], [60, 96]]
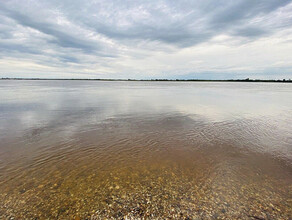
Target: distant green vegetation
[[168, 80]]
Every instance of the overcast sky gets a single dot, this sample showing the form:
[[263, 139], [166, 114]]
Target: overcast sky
[[211, 39]]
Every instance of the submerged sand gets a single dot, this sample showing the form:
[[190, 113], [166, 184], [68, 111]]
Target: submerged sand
[[165, 167]]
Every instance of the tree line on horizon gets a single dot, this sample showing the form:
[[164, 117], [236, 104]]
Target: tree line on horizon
[[188, 80]]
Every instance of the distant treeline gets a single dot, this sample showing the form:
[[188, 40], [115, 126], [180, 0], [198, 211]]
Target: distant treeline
[[168, 80]]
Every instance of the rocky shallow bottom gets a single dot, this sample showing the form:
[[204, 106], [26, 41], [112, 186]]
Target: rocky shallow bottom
[[131, 172], [183, 190]]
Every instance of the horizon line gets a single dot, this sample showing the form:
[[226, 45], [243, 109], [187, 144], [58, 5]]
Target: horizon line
[[154, 79]]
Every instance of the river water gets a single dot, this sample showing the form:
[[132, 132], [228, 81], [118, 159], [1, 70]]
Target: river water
[[153, 150]]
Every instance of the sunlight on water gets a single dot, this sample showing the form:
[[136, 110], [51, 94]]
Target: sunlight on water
[[95, 150]]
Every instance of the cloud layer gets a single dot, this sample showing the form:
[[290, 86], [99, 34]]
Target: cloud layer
[[146, 39]]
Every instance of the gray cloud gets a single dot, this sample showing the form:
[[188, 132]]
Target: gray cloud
[[182, 24], [250, 32], [114, 36], [235, 11], [60, 37]]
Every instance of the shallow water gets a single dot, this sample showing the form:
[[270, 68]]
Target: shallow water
[[179, 150]]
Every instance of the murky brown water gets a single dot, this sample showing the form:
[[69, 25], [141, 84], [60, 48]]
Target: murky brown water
[[157, 150]]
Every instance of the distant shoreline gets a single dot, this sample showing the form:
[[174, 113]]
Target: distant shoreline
[[163, 80]]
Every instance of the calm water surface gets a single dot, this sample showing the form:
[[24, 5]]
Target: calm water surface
[[178, 150]]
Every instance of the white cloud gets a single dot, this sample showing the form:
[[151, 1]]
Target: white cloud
[[152, 39]]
